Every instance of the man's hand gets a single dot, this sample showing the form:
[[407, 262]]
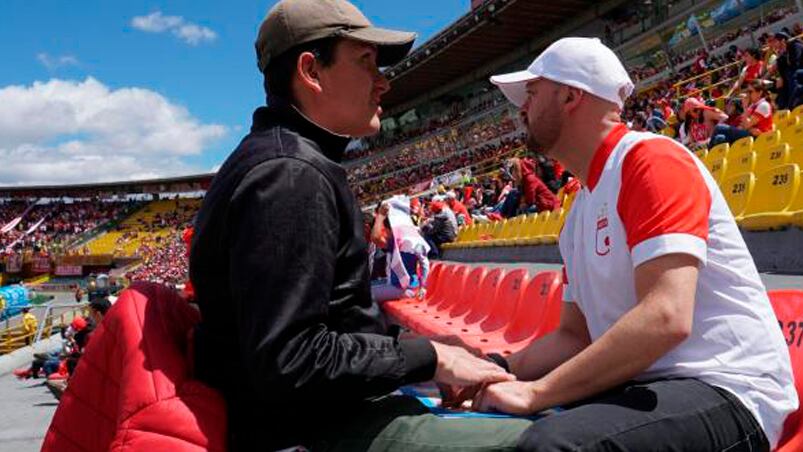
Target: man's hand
[[513, 397], [383, 210], [458, 367]]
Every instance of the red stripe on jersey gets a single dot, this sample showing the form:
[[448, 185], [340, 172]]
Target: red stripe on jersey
[[662, 192]]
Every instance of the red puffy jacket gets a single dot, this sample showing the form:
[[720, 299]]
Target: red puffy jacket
[[133, 389]]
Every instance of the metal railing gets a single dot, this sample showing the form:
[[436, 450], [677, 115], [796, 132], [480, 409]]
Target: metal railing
[[53, 316]]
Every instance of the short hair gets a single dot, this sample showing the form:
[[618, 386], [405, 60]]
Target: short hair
[[278, 80], [754, 52], [101, 306]]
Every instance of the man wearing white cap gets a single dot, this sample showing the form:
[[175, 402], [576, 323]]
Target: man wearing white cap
[[667, 339]]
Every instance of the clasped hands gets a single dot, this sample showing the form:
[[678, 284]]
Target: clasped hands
[[462, 375]]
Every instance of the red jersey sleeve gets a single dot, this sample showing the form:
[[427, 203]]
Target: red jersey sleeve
[[664, 202]]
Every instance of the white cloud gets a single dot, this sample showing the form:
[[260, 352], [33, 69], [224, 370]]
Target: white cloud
[[66, 131], [188, 32], [55, 62]]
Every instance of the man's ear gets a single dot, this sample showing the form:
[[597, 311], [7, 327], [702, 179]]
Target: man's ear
[[307, 70], [572, 98]]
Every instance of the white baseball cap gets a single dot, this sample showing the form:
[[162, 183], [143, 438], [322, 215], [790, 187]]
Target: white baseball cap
[[584, 63]]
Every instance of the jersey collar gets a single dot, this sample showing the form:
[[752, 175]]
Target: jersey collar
[[602, 153]]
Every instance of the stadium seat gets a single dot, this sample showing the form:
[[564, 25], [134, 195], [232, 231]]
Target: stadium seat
[[769, 207], [718, 168], [534, 230], [537, 314], [772, 157], [794, 137], [433, 279], [788, 307], [786, 126], [493, 234], [737, 191], [767, 141], [433, 321], [798, 111], [553, 227], [718, 152], [403, 312], [741, 145], [742, 163], [781, 115], [513, 231], [701, 153], [465, 318]]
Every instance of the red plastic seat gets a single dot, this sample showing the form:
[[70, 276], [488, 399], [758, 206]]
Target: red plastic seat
[[442, 316], [431, 285], [402, 309], [788, 306], [537, 314], [451, 283], [462, 321]]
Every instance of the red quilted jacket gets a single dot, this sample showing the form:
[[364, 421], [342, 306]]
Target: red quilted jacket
[[133, 388]]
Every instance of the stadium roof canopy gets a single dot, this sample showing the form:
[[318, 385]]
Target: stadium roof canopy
[[185, 184], [487, 32]]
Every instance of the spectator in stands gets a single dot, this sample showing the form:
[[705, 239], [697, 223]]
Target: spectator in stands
[[530, 193], [459, 209], [639, 122], [698, 121], [753, 69], [651, 249], [405, 250], [757, 118], [788, 63], [441, 227], [29, 325], [289, 332]]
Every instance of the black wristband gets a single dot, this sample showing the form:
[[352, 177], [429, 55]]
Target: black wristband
[[500, 361]]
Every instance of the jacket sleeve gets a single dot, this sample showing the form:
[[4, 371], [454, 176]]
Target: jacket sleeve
[[283, 234]]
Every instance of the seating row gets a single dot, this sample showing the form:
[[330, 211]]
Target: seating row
[[494, 310], [772, 200], [540, 228]]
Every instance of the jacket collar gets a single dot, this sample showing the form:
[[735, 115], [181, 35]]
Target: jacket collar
[[331, 144]]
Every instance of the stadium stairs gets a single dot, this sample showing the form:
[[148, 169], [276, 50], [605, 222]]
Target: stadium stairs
[[760, 179]]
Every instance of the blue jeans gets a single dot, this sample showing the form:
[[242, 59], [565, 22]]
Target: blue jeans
[[724, 133], [383, 290]]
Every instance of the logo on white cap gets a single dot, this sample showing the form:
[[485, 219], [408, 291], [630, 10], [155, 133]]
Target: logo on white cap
[[584, 63]]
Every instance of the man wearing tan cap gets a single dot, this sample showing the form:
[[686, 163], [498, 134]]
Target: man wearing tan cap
[[289, 332]]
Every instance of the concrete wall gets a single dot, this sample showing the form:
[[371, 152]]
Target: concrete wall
[[773, 252]]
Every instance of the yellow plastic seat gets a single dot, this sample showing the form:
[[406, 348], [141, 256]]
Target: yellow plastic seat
[[798, 111], [794, 137], [767, 140], [771, 206], [718, 168], [743, 163], [771, 158], [553, 226], [513, 230], [742, 145], [737, 191], [717, 152], [787, 125], [494, 233], [533, 233], [781, 115]]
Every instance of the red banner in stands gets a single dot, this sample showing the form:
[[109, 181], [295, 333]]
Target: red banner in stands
[[41, 264], [69, 270]]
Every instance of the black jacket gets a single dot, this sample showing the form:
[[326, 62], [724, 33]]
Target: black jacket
[[289, 331]]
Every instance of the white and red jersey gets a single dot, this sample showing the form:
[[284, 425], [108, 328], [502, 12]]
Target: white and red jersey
[[647, 196], [762, 111]]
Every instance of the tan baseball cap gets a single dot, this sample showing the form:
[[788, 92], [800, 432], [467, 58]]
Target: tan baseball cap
[[293, 22]]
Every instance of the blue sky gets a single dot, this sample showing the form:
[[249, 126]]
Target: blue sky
[[89, 93]]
